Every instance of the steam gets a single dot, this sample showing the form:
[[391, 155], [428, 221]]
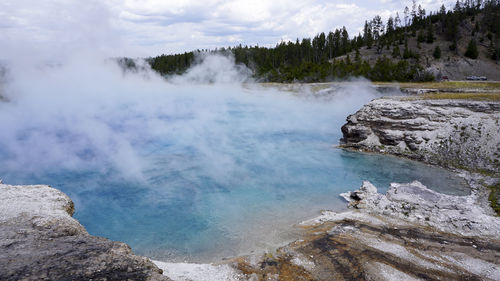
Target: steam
[[89, 115], [214, 68], [172, 166]]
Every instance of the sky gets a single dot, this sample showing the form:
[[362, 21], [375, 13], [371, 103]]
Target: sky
[[143, 28]]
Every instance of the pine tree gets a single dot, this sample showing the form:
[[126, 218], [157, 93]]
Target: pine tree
[[406, 12], [495, 55], [421, 12], [345, 41], [406, 52], [442, 10], [367, 35], [457, 8], [437, 53], [453, 46], [390, 25], [413, 11], [430, 34], [495, 50], [357, 57], [396, 53], [397, 21], [377, 26], [421, 36], [472, 51]]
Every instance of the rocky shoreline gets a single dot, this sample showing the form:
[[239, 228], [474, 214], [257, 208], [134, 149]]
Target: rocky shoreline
[[410, 233], [39, 240]]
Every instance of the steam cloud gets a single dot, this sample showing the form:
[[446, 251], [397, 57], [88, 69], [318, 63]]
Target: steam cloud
[[87, 115], [172, 166]]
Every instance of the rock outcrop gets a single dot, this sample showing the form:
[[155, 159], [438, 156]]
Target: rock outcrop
[[450, 133], [39, 240], [415, 203], [410, 233]]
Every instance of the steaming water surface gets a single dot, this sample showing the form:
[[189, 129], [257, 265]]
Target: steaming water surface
[[192, 172]]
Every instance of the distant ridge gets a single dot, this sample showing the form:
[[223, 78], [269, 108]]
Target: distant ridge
[[413, 46]]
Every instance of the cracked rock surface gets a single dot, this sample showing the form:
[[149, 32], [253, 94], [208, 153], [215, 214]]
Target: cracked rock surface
[[449, 133]]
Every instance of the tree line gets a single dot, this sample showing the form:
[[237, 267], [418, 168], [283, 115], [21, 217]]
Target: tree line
[[336, 54]]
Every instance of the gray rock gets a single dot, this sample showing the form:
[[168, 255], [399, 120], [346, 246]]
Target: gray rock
[[414, 202], [409, 233], [39, 240], [450, 133]]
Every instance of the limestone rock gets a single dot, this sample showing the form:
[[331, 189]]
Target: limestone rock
[[450, 133], [363, 197], [414, 202]]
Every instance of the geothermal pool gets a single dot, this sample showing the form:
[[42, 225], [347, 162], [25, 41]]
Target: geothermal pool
[[193, 172]]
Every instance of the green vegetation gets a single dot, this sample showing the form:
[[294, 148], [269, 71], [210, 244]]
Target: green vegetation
[[460, 96], [464, 90], [472, 51], [448, 85], [493, 197], [437, 53], [172, 64], [336, 54], [396, 53], [430, 34]]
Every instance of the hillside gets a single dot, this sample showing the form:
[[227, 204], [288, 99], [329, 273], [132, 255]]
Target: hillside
[[414, 47], [452, 63]]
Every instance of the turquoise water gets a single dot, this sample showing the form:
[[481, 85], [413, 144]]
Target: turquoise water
[[199, 173]]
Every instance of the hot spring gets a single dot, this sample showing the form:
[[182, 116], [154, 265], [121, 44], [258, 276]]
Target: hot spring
[[190, 170]]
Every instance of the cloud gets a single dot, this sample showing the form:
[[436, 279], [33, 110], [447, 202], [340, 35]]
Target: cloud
[[152, 27]]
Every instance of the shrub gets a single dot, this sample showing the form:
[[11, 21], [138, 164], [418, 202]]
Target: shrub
[[472, 51], [437, 53], [453, 46], [396, 53], [421, 37]]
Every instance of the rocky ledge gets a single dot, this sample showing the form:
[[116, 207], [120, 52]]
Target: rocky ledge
[[39, 240], [410, 233], [449, 133]]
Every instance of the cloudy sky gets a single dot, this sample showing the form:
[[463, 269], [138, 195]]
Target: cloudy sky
[[141, 28]]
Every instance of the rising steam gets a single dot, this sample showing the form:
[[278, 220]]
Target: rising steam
[[91, 115]]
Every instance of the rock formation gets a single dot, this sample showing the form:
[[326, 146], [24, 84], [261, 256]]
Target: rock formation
[[410, 233], [39, 240], [450, 133]]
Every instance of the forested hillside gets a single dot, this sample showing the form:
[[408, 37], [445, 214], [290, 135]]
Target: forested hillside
[[410, 46]]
